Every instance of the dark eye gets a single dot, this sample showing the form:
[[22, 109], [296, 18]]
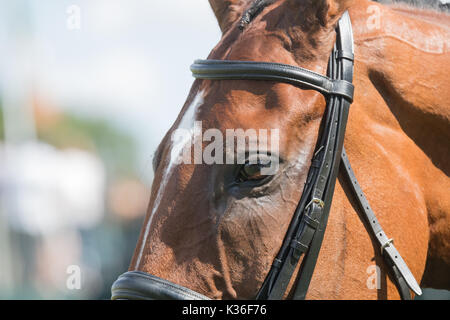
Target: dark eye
[[253, 169]]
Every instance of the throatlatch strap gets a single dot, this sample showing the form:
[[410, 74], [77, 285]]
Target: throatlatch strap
[[393, 259]]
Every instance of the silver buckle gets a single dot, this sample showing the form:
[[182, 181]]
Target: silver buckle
[[315, 200], [386, 244]]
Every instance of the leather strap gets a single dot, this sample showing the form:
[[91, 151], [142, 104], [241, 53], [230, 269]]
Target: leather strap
[[136, 285], [401, 272], [269, 71], [305, 233], [341, 68]]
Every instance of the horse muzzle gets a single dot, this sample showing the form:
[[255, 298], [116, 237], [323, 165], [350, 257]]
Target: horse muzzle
[[137, 285]]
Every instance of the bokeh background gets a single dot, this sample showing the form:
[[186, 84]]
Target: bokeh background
[[87, 91]]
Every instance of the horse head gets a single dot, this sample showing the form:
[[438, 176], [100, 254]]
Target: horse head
[[231, 170]]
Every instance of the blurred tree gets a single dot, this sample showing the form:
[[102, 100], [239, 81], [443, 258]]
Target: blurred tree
[[64, 130], [116, 148]]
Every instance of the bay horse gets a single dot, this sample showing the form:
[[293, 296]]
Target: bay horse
[[208, 236]]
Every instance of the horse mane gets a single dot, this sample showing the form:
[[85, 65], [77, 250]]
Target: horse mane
[[258, 5], [437, 5]]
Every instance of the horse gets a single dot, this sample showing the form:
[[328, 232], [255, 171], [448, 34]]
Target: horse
[[213, 230]]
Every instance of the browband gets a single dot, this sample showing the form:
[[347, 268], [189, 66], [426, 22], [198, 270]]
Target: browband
[[253, 70]]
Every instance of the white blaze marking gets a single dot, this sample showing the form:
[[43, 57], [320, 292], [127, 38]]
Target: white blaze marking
[[187, 122]]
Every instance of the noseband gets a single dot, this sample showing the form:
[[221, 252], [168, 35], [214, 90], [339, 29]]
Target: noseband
[[306, 230]]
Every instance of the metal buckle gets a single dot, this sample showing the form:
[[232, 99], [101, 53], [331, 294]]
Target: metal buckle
[[318, 150], [315, 200], [386, 244]]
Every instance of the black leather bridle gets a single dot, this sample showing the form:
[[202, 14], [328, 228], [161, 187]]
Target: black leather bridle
[[306, 230]]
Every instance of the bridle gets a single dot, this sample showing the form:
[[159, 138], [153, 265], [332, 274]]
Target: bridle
[[306, 230]]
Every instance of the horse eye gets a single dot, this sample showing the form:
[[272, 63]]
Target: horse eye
[[253, 171]]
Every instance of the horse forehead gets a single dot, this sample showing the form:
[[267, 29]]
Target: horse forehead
[[232, 104], [257, 46], [235, 110]]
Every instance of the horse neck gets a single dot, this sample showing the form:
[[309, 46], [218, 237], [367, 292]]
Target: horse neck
[[405, 58], [401, 103]]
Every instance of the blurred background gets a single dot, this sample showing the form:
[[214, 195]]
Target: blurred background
[[87, 91]]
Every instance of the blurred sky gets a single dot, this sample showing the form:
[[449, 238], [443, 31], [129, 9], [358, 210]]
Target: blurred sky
[[129, 62]]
